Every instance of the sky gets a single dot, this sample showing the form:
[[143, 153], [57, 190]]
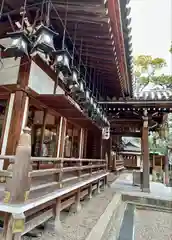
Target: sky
[[152, 29]]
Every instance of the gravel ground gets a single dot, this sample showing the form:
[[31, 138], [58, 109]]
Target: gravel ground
[[153, 225], [78, 226]]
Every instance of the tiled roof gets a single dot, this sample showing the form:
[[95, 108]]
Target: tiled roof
[[154, 95]]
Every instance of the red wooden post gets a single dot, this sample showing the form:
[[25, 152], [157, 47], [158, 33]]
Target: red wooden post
[[145, 147]]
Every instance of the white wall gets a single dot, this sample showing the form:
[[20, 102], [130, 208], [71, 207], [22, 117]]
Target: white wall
[[39, 81], [9, 69]]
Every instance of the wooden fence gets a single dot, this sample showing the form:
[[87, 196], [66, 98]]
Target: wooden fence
[[31, 193]]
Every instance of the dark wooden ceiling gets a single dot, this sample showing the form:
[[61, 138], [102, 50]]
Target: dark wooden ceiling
[[96, 25]]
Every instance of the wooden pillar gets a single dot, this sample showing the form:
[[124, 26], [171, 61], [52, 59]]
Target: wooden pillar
[[62, 135], [81, 143], [42, 137], [17, 188], [102, 149], [19, 109], [7, 127], [145, 148], [110, 159], [85, 143]]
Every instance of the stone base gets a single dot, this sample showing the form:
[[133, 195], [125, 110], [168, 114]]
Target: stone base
[[146, 190], [98, 191], [58, 228], [154, 176], [89, 196], [75, 208]]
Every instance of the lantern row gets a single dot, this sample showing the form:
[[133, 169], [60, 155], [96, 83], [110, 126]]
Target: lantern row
[[41, 40]]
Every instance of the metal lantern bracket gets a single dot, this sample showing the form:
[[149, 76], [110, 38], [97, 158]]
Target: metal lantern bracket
[[44, 40], [20, 44], [61, 64]]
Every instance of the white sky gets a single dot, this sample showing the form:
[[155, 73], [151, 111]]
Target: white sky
[[152, 29]]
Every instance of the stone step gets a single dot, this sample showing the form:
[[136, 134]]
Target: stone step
[[99, 229], [150, 202], [113, 229]]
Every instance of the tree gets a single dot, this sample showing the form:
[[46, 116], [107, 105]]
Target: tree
[[171, 48], [146, 71], [146, 64]]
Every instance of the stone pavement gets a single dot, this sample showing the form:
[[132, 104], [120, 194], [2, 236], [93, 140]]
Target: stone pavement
[[139, 223], [157, 190]]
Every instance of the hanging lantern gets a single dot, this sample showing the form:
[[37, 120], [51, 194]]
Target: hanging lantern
[[105, 121], [78, 89], [81, 86], [106, 133], [44, 40], [75, 89], [62, 61], [81, 90], [85, 99], [19, 46], [97, 114], [93, 108], [73, 79]]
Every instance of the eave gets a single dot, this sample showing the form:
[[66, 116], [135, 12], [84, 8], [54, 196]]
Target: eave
[[99, 28], [126, 29]]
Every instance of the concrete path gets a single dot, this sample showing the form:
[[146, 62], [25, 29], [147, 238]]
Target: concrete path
[[157, 190], [142, 224]]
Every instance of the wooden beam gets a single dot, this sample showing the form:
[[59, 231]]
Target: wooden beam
[[81, 18], [95, 52], [98, 47], [75, 6], [126, 134], [125, 120], [94, 41]]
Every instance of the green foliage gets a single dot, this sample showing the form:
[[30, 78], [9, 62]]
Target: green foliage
[[157, 144], [159, 80], [146, 63], [142, 63], [146, 68], [171, 48], [144, 80]]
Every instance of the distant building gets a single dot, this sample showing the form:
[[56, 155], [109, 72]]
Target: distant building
[[130, 145]]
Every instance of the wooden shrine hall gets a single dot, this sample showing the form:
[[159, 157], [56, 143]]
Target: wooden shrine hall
[[58, 60], [135, 117]]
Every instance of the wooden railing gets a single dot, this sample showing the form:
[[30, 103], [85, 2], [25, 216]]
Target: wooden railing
[[117, 163], [54, 173], [131, 159], [34, 195]]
